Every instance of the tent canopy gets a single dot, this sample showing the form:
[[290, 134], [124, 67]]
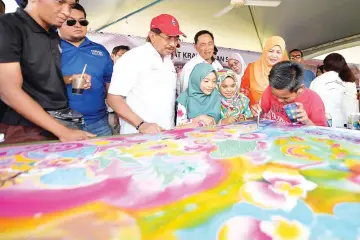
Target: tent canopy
[[316, 26], [306, 24]]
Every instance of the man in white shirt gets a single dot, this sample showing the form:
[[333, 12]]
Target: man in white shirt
[[146, 77], [204, 45]]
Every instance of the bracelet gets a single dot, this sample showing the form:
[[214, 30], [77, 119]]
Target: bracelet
[[138, 126]]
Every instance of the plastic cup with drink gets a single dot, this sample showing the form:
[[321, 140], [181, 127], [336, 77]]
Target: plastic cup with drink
[[291, 112], [78, 83], [354, 121]]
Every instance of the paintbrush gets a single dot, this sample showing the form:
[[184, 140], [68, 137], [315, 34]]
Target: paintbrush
[[258, 116], [258, 119]]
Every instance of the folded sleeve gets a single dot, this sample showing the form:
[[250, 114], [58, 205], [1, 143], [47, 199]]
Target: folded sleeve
[[125, 74]]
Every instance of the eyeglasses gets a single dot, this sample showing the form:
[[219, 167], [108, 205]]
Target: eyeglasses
[[233, 65], [72, 22], [168, 39], [295, 57]]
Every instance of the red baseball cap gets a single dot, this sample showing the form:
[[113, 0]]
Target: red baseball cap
[[167, 24]]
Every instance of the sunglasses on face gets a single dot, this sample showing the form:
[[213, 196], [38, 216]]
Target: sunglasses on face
[[72, 22]]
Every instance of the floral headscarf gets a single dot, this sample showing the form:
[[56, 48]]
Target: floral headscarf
[[238, 103]]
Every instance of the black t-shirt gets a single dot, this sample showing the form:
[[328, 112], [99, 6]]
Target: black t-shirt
[[38, 52]]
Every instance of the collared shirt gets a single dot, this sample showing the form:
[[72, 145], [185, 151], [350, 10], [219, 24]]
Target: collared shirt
[[99, 65], [309, 76], [38, 52], [149, 84], [183, 81]]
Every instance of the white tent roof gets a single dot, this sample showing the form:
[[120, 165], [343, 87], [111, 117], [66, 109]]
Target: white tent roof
[[352, 55], [317, 26], [304, 24]]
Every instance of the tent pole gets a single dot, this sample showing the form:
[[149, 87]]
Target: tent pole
[[255, 26], [128, 15]]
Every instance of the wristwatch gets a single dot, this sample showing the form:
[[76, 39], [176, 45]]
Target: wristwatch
[[138, 126]]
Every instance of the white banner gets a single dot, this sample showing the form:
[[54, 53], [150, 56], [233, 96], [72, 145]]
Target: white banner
[[183, 54]]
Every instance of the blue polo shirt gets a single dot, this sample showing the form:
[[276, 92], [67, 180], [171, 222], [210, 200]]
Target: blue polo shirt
[[99, 65], [309, 76]]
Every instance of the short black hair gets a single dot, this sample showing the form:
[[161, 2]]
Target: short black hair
[[297, 50], [286, 75], [202, 32], [118, 48], [23, 3], [321, 68], [80, 8]]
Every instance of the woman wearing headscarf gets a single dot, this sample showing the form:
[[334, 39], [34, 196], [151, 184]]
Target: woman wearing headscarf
[[256, 76], [237, 64], [200, 104], [234, 105]]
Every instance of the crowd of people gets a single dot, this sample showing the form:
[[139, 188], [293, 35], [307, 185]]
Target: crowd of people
[[45, 49]]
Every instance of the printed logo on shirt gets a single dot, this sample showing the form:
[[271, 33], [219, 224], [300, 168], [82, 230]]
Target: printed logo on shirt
[[97, 53], [273, 116]]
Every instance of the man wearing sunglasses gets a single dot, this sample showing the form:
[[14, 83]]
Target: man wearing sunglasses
[[31, 82], [78, 50], [146, 77]]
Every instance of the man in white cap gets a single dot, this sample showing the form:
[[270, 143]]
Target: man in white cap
[[143, 85]]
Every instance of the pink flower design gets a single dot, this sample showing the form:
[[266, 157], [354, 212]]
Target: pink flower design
[[242, 228], [258, 158], [180, 113], [200, 145], [252, 136], [61, 147], [280, 190], [355, 178], [276, 228]]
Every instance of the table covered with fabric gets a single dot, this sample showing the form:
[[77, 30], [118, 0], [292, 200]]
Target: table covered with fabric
[[229, 182]]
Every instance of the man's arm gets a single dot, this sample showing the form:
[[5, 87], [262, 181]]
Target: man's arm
[[12, 94], [67, 79], [122, 109]]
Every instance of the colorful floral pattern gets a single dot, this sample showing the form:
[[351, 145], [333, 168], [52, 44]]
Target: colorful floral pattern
[[283, 182]]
